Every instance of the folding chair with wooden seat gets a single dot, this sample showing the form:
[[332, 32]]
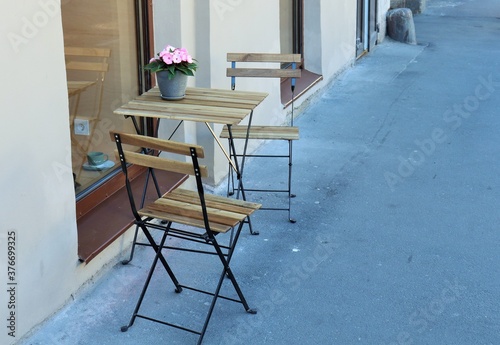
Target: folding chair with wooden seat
[[287, 69], [199, 218]]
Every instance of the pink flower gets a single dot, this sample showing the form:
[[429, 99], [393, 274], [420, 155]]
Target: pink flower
[[167, 58], [177, 57], [163, 53], [171, 59]]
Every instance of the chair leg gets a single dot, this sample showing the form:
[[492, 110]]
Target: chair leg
[[146, 284], [151, 174], [243, 196], [230, 275], [225, 260], [157, 249], [290, 195], [250, 226], [230, 181], [226, 272], [239, 188]]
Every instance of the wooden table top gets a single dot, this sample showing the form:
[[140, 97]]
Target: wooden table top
[[200, 105]]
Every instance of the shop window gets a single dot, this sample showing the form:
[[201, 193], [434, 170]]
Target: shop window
[[106, 43], [101, 61]]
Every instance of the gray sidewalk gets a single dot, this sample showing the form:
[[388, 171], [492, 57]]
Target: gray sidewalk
[[397, 176]]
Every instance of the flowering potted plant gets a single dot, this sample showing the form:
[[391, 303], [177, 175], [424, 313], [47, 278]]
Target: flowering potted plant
[[172, 67]]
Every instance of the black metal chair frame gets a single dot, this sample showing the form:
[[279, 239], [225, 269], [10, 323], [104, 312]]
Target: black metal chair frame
[[237, 187], [149, 174], [223, 252]]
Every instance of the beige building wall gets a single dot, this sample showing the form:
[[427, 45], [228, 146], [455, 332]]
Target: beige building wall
[[38, 201], [338, 36], [35, 179]]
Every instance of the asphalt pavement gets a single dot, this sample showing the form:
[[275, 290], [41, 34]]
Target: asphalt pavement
[[397, 176]]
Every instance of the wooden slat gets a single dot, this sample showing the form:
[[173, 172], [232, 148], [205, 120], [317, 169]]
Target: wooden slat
[[263, 72], [199, 105], [183, 206], [263, 57], [161, 163], [84, 51], [159, 144], [227, 94], [147, 212], [194, 211], [224, 95], [174, 116], [210, 99], [87, 66], [233, 205], [262, 132], [200, 114], [77, 86], [225, 98], [188, 109]]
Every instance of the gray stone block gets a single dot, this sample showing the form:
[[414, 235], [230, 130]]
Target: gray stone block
[[400, 25], [416, 6]]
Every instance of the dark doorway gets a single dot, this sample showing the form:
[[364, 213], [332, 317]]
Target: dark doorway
[[366, 26]]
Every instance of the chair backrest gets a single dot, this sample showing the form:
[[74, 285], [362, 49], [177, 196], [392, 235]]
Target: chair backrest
[[149, 158], [150, 144], [90, 64], [291, 70], [87, 59]]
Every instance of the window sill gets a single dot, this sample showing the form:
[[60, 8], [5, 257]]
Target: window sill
[[303, 84]]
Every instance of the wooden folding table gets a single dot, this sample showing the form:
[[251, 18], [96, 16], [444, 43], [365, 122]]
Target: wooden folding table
[[226, 107], [206, 105]]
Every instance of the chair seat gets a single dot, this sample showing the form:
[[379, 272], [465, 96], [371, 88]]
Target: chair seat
[[262, 132], [183, 206]]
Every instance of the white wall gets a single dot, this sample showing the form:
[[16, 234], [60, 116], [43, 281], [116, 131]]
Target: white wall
[[36, 184], [38, 200], [338, 35], [329, 36]]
